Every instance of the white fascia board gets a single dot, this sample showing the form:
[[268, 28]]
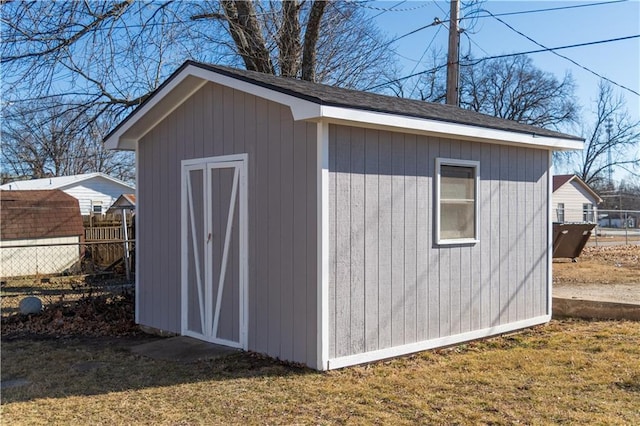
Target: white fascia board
[[180, 88], [127, 136], [102, 176], [422, 126], [300, 108], [434, 343]]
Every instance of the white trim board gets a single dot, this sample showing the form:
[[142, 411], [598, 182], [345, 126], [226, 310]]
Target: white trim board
[[322, 188], [549, 232], [442, 129], [475, 165], [137, 237], [433, 343]]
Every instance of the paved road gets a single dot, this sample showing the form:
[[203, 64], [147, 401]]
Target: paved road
[[620, 293], [603, 242]]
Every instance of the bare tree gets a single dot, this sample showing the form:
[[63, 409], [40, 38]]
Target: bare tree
[[513, 88], [44, 142], [99, 59], [618, 146], [510, 87]]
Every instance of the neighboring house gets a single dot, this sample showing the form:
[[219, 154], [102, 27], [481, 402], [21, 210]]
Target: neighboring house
[[94, 191], [33, 225], [613, 219], [125, 202], [332, 227], [573, 200]]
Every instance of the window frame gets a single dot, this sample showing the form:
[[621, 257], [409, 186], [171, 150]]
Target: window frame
[[475, 165], [95, 204], [560, 212], [588, 213]]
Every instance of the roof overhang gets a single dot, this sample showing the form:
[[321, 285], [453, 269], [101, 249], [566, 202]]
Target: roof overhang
[[189, 78], [443, 129]]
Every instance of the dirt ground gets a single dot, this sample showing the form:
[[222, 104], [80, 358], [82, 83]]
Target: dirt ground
[[601, 273]]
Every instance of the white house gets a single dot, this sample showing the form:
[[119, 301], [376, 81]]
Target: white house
[[574, 200], [95, 192]]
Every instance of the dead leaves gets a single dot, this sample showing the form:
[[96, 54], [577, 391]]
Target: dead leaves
[[104, 315]]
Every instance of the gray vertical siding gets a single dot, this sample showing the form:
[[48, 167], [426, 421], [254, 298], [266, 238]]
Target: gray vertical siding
[[282, 215], [390, 284]]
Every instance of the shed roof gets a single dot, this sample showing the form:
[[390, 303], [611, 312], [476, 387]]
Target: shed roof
[[126, 201], [39, 214], [60, 182], [561, 180], [317, 102]]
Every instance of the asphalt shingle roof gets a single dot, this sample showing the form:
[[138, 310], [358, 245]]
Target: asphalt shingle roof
[[58, 182], [39, 214], [340, 97]]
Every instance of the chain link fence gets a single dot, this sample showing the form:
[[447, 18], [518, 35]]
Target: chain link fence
[[613, 227], [57, 270]]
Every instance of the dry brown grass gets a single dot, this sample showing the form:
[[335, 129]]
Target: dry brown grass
[[601, 265], [566, 372]]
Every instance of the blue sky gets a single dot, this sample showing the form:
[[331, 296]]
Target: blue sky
[[618, 61]]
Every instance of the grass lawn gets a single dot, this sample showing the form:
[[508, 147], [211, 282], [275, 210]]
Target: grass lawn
[[565, 372], [600, 265]]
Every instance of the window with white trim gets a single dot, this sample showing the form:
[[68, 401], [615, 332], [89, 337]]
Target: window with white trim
[[96, 207], [587, 213], [560, 212], [456, 201]]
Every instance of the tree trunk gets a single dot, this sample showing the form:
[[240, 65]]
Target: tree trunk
[[289, 39], [311, 39], [246, 33]]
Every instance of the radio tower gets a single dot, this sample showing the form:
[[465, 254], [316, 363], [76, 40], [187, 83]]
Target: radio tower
[[608, 127]]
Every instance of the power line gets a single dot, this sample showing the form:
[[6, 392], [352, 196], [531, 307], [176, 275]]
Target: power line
[[420, 60], [405, 77], [389, 9], [476, 44], [384, 46], [523, 12], [392, 9], [438, 21], [506, 55], [550, 49], [569, 59]]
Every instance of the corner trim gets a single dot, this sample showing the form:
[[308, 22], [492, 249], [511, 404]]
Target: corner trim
[[137, 237], [550, 233], [322, 169]]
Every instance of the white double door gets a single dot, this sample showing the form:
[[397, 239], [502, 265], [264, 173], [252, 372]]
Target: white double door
[[214, 249]]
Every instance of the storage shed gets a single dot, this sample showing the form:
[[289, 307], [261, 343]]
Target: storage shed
[[332, 227], [40, 232]]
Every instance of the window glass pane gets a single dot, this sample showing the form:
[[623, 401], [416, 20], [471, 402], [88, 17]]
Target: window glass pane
[[457, 202], [457, 220], [560, 212], [457, 182]]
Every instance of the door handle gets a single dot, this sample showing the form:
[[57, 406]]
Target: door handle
[[209, 238]]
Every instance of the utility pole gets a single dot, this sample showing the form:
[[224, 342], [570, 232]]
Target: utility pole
[[608, 127], [453, 70]]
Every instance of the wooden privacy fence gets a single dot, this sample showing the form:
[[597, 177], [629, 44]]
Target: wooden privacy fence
[[110, 230], [101, 233]]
